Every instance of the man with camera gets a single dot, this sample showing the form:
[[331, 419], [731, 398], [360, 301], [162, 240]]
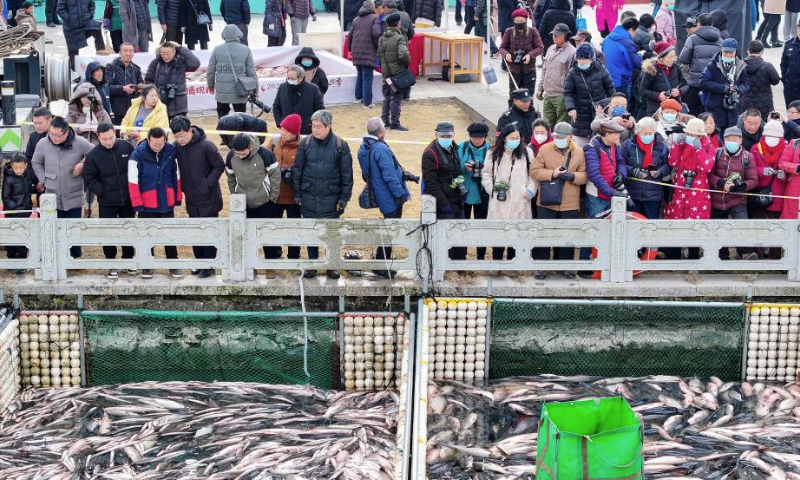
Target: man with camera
[[724, 81], [124, 78], [168, 73], [519, 48], [385, 179]]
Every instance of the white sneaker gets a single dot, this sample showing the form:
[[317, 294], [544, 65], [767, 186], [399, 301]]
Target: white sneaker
[[113, 274]]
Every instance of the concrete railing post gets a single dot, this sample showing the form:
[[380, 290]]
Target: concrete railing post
[[618, 269], [237, 240], [48, 238], [435, 236]]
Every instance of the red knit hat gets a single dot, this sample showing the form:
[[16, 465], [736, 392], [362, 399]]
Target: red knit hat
[[292, 124], [670, 104], [520, 12], [663, 48]]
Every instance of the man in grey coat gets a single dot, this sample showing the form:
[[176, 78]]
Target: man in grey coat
[[698, 51], [58, 163], [228, 62]]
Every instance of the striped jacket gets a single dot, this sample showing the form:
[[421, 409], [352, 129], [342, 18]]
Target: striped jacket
[[154, 179]]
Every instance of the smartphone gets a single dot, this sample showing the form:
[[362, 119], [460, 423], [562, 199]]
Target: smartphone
[[627, 116]]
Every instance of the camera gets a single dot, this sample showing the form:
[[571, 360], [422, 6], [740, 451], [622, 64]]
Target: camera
[[518, 56], [731, 100], [410, 177], [501, 194], [688, 178], [92, 96], [258, 103], [774, 115], [170, 91], [675, 128], [477, 170], [286, 175]]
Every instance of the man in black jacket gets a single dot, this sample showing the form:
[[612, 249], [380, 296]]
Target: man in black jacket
[[322, 176], [201, 167], [441, 170], [169, 16], [521, 112], [297, 96], [240, 122], [105, 173], [123, 77], [41, 125], [790, 69], [236, 12]]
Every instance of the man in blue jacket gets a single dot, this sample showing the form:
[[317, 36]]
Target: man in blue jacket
[[622, 59], [385, 178]]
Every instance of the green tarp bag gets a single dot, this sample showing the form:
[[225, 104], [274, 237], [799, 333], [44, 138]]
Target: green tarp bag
[[596, 439]]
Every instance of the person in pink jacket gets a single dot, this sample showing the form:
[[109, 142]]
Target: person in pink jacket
[[790, 164], [606, 13], [665, 22]]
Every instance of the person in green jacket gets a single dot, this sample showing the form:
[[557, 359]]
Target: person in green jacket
[[394, 57], [113, 23], [471, 154]]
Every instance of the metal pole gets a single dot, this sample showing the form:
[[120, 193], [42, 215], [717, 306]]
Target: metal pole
[[411, 361], [341, 22], [745, 339], [488, 352], [620, 303], [9, 102]]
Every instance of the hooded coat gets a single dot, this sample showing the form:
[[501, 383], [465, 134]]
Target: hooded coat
[[690, 204], [101, 87], [78, 18], [202, 166], [363, 38], [258, 176], [314, 74], [583, 89], [162, 74], [105, 173], [323, 176], [657, 78], [642, 39], [53, 165], [763, 76], [632, 155], [516, 172], [715, 83], [22, 18], [622, 58], [698, 51], [228, 62], [303, 99], [78, 114], [665, 24], [560, 11], [118, 75], [719, 20]]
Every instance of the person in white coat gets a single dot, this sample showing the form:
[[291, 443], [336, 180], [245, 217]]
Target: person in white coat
[[507, 180]]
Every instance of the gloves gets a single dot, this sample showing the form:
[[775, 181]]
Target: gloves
[[566, 176], [618, 180], [297, 201], [447, 209], [620, 193], [768, 171], [780, 175]]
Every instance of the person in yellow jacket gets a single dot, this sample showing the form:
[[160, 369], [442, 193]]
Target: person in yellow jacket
[[146, 111]]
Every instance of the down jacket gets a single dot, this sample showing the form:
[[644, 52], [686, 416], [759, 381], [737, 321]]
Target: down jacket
[[160, 74], [583, 89], [17, 189], [632, 155], [385, 174], [560, 11], [301, 9], [54, 164], [665, 24], [698, 51], [220, 75], [323, 176], [235, 12], [257, 176], [622, 58], [303, 99], [105, 173], [169, 12], [78, 18], [129, 11], [274, 19], [657, 78], [429, 9], [715, 84], [726, 164], [393, 52], [603, 162], [363, 38], [154, 180], [201, 164], [763, 76]]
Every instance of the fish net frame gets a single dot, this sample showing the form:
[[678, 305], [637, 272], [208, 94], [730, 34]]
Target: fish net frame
[[617, 339], [280, 347]]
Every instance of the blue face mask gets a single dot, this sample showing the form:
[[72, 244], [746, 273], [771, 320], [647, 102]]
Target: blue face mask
[[693, 142], [647, 139], [445, 142], [584, 67], [670, 117], [728, 60], [560, 143], [512, 144], [306, 63], [618, 111], [731, 147]]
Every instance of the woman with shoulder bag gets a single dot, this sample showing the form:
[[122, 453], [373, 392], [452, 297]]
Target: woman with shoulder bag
[[197, 23]]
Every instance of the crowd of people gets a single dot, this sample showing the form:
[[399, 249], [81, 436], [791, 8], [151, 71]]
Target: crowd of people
[[689, 134]]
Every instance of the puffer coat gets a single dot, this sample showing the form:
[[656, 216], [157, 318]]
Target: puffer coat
[[698, 51], [228, 62], [323, 176], [715, 84], [583, 89], [274, 19], [160, 74], [632, 155], [17, 189], [762, 76], [363, 38], [393, 52], [657, 78], [515, 172], [169, 12], [726, 164], [77, 113], [105, 172], [202, 166], [78, 18], [429, 9]]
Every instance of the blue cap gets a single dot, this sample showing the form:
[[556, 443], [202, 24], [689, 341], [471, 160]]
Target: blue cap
[[730, 45]]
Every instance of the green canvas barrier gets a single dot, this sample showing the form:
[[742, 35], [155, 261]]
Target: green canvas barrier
[[595, 439]]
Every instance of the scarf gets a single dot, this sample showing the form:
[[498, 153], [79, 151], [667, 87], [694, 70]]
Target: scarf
[[477, 154], [310, 74], [648, 152], [714, 140], [771, 154]]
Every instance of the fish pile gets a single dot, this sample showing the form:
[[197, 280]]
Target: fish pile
[[693, 428], [195, 430]]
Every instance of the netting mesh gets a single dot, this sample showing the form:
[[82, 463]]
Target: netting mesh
[[612, 341], [262, 347]]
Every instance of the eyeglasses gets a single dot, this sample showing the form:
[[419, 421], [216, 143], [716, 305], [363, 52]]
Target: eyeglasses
[[57, 135]]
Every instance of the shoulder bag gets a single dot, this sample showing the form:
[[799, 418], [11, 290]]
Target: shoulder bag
[[202, 17], [245, 86], [401, 80], [550, 193], [366, 199]]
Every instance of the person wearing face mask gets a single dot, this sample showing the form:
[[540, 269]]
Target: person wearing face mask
[[691, 161], [724, 82], [441, 168], [734, 173], [617, 110], [661, 78], [471, 154], [767, 155], [542, 135], [665, 22], [297, 96], [587, 83], [646, 157], [671, 121], [562, 164], [791, 121], [520, 46], [310, 63], [521, 112], [506, 179]]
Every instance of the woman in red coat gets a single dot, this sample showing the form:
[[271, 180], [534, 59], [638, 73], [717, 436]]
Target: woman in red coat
[[691, 161], [790, 163], [767, 154]]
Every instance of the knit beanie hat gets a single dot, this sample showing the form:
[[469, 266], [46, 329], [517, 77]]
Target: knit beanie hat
[[670, 104], [663, 48], [393, 19], [773, 128], [585, 50], [292, 124]]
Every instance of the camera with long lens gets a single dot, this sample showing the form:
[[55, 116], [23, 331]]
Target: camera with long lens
[[170, 91], [258, 103], [518, 56], [410, 177], [731, 100], [477, 170], [286, 175], [688, 178]]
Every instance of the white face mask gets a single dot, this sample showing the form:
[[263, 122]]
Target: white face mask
[[293, 82], [772, 141], [540, 138]]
